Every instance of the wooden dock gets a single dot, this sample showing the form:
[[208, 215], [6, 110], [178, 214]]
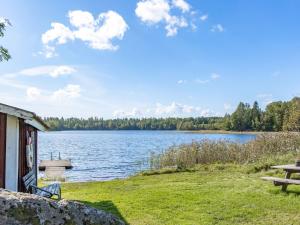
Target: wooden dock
[[55, 163]]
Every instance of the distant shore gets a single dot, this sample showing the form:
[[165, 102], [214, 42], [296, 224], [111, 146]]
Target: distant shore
[[239, 132], [187, 131], [226, 132]]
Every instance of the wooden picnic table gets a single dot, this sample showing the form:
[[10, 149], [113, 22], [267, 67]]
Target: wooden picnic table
[[284, 182]]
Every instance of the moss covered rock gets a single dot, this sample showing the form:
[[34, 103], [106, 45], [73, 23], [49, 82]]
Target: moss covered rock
[[23, 209]]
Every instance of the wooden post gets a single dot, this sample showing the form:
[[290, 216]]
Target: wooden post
[[287, 176]]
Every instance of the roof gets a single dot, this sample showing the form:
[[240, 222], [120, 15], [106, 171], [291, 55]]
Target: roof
[[29, 117]]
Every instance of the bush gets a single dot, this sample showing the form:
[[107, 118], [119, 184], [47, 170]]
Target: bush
[[268, 147]]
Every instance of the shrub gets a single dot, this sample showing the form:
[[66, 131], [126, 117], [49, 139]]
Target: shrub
[[267, 147]]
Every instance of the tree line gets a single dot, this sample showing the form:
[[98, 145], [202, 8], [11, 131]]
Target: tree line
[[278, 116]]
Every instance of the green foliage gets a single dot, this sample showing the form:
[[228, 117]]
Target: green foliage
[[278, 116], [241, 118], [94, 123], [291, 121], [4, 54]]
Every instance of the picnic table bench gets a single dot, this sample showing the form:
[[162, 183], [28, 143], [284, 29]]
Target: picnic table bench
[[284, 182]]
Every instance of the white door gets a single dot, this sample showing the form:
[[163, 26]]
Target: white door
[[12, 150]]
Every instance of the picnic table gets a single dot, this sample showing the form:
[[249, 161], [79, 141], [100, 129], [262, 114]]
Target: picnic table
[[284, 182]]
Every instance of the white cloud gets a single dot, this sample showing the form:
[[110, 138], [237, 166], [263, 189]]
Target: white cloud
[[62, 70], [159, 11], [204, 17], [97, 33], [193, 26], [181, 4], [217, 28], [152, 11], [160, 110], [199, 81], [70, 91], [181, 81], [58, 33], [53, 71], [33, 93], [48, 52], [181, 110], [174, 108], [215, 76], [134, 113], [173, 23]]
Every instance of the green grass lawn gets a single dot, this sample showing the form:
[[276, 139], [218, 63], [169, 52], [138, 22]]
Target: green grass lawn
[[210, 195]]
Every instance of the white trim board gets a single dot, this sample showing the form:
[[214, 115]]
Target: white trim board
[[12, 153]]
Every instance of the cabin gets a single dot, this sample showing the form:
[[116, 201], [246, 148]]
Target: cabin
[[18, 146]]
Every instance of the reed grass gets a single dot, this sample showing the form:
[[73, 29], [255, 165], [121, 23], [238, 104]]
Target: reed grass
[[267, 147]]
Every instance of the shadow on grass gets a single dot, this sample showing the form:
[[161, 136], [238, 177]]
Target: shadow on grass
[[286, 193], [108, 206], [293, 192]]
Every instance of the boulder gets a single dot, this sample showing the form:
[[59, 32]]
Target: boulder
[[22, 209]]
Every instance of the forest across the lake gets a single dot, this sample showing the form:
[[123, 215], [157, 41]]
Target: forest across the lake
[[278, 116]]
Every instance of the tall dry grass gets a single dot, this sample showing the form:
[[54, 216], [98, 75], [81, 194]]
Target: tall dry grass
[[265, 147]]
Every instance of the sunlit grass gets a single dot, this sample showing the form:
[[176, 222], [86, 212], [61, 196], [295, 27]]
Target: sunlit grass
[[208, 182], [215, 194]]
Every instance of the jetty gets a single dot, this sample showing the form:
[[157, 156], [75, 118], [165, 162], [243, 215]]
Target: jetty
[[55, 169], [64, 163]]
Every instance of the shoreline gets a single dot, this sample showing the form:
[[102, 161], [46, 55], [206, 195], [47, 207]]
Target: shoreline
[[190, 131], [228, 132]]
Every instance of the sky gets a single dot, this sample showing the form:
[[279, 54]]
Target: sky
[[149, 58]]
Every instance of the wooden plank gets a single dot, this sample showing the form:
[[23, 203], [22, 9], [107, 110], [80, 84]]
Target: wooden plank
[[290, 167], [35, 166], [22, 155], [23, 169], [13, 111], [29, 117], [55, 163], [3, 118], [282, 180]]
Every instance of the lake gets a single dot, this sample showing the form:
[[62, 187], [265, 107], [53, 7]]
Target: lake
[[106, 155]]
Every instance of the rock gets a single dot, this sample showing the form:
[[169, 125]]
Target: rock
[[26, 209]]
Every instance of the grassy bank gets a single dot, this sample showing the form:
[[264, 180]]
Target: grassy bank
[[215, 194], [221, 185]]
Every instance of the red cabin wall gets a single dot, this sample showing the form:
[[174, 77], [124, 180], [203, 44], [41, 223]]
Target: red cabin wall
[[2, 148], [23, 169]]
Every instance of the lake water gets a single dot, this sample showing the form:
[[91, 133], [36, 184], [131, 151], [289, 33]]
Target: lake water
[[106, 155]]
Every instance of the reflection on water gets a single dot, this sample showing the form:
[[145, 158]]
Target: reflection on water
[[106, 155]]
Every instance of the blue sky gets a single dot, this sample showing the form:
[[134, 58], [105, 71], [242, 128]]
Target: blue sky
[[142, 58]]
